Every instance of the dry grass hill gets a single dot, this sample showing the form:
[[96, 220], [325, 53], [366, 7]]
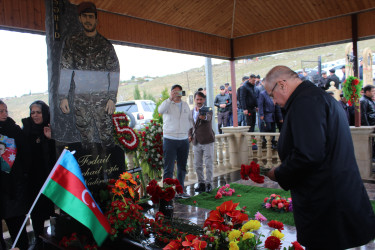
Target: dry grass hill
[[193, 79]]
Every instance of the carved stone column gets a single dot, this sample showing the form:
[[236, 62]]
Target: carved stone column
[[238, 145], [363, 150]]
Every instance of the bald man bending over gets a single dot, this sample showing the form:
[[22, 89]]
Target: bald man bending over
[[331, 207]]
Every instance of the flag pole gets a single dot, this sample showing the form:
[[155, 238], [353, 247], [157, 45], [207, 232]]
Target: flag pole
[[36, 199]]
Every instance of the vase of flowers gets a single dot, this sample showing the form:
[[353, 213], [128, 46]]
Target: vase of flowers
[[164, 195]]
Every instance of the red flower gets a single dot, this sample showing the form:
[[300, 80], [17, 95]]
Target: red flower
[[272, 243], [297, 246], [276, 224], [169, 181], [179, 189], [169, 194], [251, 171]]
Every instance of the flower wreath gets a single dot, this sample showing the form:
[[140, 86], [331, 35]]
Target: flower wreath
[[352, 89], [125, 136]]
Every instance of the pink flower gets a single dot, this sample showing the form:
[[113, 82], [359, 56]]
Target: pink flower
[[268, 205], [273, 195], [280, 205], [218, 195], [260, 217]]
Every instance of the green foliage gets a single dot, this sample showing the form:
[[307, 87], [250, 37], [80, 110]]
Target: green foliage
[[251, 197], [137, 93], [352, 89], [164, 95], [147, 96]]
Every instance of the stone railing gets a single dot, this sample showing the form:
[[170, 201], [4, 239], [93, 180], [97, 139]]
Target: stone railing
[[235, 147]]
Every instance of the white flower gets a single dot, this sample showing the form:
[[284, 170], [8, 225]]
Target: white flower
[[208, 232], [230, 223], [216, 237], [204, 229], [227, 239]]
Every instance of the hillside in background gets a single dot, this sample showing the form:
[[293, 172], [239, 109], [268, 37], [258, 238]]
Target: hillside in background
[[191, 80]]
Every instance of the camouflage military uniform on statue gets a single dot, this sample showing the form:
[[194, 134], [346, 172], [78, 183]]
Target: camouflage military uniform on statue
[[90, 71]]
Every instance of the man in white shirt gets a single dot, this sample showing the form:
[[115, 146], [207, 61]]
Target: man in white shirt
[[176, 124]]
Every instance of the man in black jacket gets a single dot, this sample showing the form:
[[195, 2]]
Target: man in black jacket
[[222, 102], [332, 77], [241, 117], [368, 106], [249, 103], [324, 180]]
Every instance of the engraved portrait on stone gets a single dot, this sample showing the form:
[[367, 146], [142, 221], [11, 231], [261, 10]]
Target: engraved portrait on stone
[[89, 79]]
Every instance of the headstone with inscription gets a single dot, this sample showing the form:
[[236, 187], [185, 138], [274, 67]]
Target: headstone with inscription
[[83, 75]]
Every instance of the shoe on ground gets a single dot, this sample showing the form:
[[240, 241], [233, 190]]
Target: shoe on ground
[[182, 196], [208, 188], [201, 188]]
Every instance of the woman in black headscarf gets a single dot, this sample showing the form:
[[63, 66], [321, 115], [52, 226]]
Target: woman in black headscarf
[[15, 158], [38, 133]]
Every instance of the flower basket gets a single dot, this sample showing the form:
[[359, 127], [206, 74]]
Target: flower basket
[[151, 150]]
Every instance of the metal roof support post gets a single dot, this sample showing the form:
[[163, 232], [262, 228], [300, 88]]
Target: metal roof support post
[[234, 92], [210, 92], [357, 110]]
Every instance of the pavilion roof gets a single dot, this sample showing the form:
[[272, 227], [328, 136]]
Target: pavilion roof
[[228, 29]]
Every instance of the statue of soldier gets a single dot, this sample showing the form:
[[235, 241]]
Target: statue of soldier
[[90, 72]]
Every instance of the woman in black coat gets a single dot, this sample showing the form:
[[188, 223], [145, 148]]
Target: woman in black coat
[[15, 158], [37, 131]]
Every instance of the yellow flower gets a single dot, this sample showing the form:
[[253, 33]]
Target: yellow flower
[[247, 236], [277, 234], [234, 234], [233, 245], [250, 226]]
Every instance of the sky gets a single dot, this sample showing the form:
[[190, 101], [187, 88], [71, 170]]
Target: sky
[[23, 63]]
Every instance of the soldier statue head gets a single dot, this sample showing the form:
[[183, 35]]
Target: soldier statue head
[[88, 17]]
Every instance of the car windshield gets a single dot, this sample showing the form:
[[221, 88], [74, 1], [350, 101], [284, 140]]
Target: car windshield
[[148, 106], [132, 107]]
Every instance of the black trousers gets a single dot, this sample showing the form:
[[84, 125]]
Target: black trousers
[[222, 120], [250, 120]]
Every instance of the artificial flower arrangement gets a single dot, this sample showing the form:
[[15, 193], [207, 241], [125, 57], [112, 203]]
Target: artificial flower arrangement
[[124, 135], [277, 203], [224, 191], [229, 227], [123, 212], [151, 149], [253, 172], [167, 192], [352, 90]]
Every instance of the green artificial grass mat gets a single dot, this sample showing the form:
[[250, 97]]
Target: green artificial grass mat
[[252, 197]]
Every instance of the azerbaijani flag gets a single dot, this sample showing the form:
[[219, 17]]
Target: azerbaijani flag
[[66, 187]]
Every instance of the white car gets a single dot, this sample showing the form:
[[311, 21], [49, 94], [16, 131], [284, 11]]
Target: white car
[[142, 110]]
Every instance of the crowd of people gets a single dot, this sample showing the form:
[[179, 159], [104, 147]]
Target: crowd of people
[[328, 174], [28, 154], [27, 157], [254, 107]]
